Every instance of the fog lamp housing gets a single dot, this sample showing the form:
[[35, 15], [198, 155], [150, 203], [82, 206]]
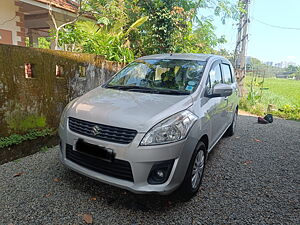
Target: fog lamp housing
[[160, 172]]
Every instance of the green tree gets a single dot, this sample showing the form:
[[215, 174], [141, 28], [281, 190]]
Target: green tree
[[291, 69], [260, 69], [296, 72], [172, 26]]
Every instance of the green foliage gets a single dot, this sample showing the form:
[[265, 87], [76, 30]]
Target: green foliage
[[27, 41], [224, 9], [171, 26], [114, 15], [98, 39], [161, 28], [281, 93], [44, 42], [44, 149], [20, 121], [289, 112], [15, 139], [70, 35], [260, 69], [202, 39], [294, 71], [255, 90]]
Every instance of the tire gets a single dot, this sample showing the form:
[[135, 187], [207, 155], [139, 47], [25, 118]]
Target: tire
[[190, 186], [231, 129]]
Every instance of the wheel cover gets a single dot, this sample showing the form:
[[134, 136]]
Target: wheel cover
[[197, 169]]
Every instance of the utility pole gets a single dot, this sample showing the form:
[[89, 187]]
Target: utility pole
[[241, 45]]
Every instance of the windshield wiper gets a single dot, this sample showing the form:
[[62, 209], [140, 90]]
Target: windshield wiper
[[148, 90]]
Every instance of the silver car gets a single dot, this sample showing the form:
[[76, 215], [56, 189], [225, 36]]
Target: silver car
[[152, 125]]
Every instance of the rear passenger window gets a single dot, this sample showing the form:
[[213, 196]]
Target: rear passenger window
[[227, 76]]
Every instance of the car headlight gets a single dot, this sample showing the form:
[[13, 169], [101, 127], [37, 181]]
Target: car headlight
[[174, 128]]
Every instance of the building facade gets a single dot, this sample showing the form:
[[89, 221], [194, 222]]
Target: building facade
[[30, 19]]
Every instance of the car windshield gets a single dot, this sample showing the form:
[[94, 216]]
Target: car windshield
[[162, 76]]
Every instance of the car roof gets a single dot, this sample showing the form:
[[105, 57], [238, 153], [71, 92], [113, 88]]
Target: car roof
[[184, 56]]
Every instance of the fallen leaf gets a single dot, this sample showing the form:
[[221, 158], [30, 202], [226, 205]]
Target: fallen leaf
[[47, 195], [88, 218], [247, 162], [257, 140], [93, 199], [56, 179], [18, 174]]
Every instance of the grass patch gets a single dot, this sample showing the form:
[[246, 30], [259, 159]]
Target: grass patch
[[282, 94]]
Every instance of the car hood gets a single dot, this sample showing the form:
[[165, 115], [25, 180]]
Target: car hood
[[126, 109]]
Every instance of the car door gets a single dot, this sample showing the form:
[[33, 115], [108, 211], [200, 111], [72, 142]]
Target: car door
[[217, 105], [231, 101]]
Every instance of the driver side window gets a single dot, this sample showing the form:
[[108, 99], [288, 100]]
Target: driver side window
[[214, 77]]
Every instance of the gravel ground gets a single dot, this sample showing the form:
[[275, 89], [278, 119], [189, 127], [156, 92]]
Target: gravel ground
[[250, 178]]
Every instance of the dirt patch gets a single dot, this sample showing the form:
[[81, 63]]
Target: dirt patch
[[244, 113]]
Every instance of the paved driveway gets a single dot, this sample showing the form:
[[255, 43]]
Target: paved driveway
[[251, 178]]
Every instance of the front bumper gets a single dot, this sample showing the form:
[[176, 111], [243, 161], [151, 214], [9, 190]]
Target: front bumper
[[141, 159]]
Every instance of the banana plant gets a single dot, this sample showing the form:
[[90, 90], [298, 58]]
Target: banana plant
[[98, 39]]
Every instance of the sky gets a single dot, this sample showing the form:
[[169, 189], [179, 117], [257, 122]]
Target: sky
[[265, 42]]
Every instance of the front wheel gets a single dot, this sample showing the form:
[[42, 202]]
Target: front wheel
[[194, 174]]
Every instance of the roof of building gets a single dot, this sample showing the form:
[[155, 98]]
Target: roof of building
[[68, 5]]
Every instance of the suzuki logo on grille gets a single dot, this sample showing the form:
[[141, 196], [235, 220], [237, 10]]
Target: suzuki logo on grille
[[96, 130]]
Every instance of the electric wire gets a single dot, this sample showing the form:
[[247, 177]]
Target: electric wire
[[276, 26]]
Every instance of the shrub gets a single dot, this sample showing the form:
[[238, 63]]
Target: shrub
[[15, 139]]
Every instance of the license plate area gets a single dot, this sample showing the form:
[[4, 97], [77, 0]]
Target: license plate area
[[94, 150]]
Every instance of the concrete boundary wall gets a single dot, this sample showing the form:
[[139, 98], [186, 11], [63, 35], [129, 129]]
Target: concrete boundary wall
[[38, 83]]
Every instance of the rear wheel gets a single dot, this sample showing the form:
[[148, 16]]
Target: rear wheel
[[194, 174]]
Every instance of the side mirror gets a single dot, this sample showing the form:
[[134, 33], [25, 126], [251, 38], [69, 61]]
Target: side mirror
[[221, 90]]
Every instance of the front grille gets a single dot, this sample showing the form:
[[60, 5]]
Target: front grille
[[118, 168], [102, 132]]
